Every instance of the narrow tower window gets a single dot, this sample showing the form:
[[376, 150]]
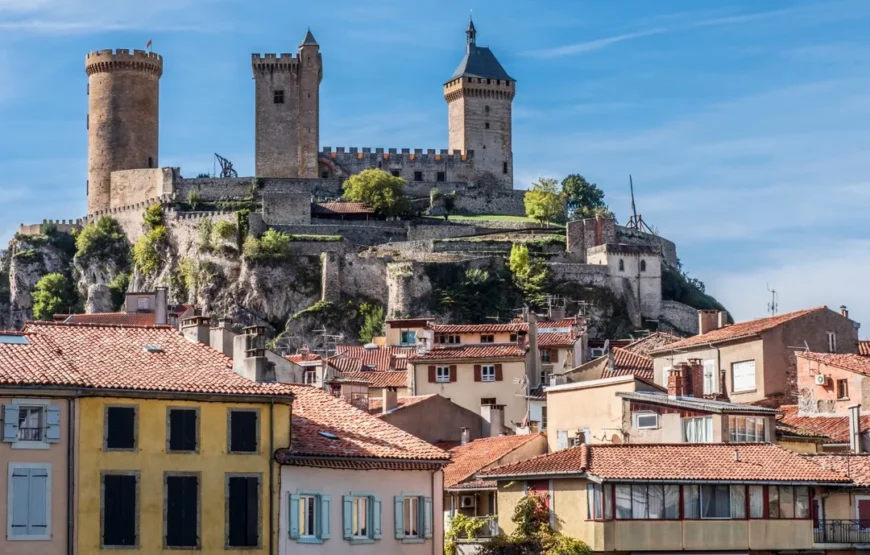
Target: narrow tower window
[[150, 162], [278, 97], [486, 109], [643, 265], [504, 167], [486, 125], [621, 265]]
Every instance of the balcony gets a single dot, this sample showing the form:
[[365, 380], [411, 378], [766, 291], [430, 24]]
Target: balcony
[[842, 532]]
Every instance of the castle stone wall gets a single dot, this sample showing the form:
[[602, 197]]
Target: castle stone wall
[[676, 316], [424, 232], [287, 208], [633, 237], [407, 286], [587, 274], [216, 188], [65, 226], [364, 276], [134, 186], [360, 235]]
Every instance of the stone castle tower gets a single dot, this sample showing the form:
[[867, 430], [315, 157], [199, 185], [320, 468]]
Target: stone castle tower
[[123, 102], [288, 111], [479, 97]]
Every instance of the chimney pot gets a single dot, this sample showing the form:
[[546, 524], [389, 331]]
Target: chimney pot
[[463, 436], [844, 311], [708, 320], [390, 400], [161, 311]]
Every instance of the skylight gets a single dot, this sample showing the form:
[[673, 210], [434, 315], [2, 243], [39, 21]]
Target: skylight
[[153, 349], [13, 340], [327, 435]]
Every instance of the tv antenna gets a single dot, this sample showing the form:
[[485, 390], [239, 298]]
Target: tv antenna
[[635, 221], [773, 305]]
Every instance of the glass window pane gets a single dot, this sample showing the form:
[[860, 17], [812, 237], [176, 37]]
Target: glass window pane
[[786, 502], [656, 501], [738, 501], [801, 502], [773, 501], [732, 428], [708, 429], [760, 432], [690, 502], [623, 501], [608, 501], [639, 501], [756, 501], [715, 501], [672, 501], [593, 498]]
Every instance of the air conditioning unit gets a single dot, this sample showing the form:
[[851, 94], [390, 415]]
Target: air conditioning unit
[[467, 502], [821, 379]]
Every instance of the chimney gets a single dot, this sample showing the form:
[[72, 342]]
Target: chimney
[[222, 336], [707, 321], [463, 436], [675, 381], [533, 357], [722, 319], [390, 400], [493, 416], [855, 428], [196, 329], [255, 365], [844, 312], [160, 309], [693, 378], [556, 313]]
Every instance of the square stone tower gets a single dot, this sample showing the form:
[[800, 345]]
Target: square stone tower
[[479, 97], [287, 90]]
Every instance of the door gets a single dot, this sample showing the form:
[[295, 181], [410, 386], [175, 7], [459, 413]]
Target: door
[[863, 513]]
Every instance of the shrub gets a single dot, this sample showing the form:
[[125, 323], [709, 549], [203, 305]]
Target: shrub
[[53, 294], [146, 253], [153, 216], [118, 289], [373, 322], [384, 193], [273, 246], [103, 238], [204, 227], [194, 198], [225, 230]]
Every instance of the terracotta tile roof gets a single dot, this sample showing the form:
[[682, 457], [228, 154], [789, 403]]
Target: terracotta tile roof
[[864, 348], [359, 434], [475, 485], [627, 363], [377, 403], [477, 328], [469, 459], [739, 330], [303, 357], [504, 352], [340, 208], [391, 378], [411, 322], [836, 428], [851, 362], [113, 318], [695, 403], [674, 462], [855, 466], [118, 357], [556, 339], [653, 341], [381, 359]]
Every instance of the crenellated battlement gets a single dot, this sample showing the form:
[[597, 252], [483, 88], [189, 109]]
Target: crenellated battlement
[[66, 226], [274, 62], [123, 59], [165, 200], [476, 87], [363, 153]]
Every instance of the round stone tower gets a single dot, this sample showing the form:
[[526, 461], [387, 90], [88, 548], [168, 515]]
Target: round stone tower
[[123, 102]]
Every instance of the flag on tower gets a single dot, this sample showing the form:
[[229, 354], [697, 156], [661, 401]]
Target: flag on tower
[[148, 44]]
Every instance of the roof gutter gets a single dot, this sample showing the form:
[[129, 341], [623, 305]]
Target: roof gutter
[[598, 479], [368, 459], [710, 344], [68, 391]]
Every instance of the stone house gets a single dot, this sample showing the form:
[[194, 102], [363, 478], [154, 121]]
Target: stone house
[[432, 418], [830, 383]]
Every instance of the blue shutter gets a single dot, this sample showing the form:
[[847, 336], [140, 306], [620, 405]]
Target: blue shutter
[[52, 424], [347, 518], [376, 518], [10, 423], [294, 516], [20, 501], [38, 513], [324, 517], [427, 517], [399, 516]]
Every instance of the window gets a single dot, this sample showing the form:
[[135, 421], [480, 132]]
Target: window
[[711, 381], [413, 515], [544, 417], [182, 433], [788, 501], [150, 162], [29, 517], [743, 376], [278, 97], [698, 430], [244, 431], [561, 439], [362, 518], [33, 424], [324, 174], [487, 339], [504, 168], [181, 515], [599, 498], [486, 125], [747, 429], [418, 176], [486, 109], [544, 378], [447, 339], [545, 356], [142, 303], [647, 501], [309, 377], [756, 501], [120, 523], [30, 423], [842, 389], [394, 173], [621, 265], [120, 428], [487, 373], [643, 265], [512, 338], [442, 374], [487, 401], [440, 176], [408, 337], [646, 420], [243, 511], [832, 342], [309, 516], [715, 501]]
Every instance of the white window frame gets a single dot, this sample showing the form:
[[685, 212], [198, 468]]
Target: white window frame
[[832, 342], [412, 502], [638, 415], [305, 498], [711, 377], [562, 440], [10, 500], [402, 338], [743, 387], [43, 404], [442, 374], [142, 303], [309, 377], [665, 373], [366, 516], [701, 503], [708, 428], [487, 373]]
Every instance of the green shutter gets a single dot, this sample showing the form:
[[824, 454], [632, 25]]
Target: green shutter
[[347, 519], [427, 517], [376, 518], [399, 516], [294, 516], [324, 517]]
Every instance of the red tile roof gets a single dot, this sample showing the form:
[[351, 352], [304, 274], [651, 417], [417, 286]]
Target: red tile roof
[[653, 341], [491, 352], [627, 363], [113, 318], [864, 348], [118, 357], [341, 208], [739, 330], [303, 357], [477, 328], [359, 435], [855, 466], [836, 428], [469, 459], [674, 462], [556, 339], [382, 358], [851, 362], [377, 403]]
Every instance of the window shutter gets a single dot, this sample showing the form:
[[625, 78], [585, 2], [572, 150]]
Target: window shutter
[[294, 516], [20, 499], [252, 524], [399, 516], [347, 518], [452, 372], [554, 355], [431, 377], [499, 376], [10, 423], [52, 424], [477, 372], [325, 503], [427, 517], [376, 518], [38, 509]]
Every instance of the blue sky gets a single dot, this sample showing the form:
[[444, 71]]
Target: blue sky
[[745, 124]]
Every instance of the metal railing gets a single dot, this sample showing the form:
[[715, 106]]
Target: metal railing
[[30, 434], [842, 531]]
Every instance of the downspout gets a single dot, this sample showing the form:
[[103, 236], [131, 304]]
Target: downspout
[[70, 469], [271, 477], [432, 480]]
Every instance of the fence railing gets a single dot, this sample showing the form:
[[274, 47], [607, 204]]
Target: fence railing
[[842, 531], [30, 433]]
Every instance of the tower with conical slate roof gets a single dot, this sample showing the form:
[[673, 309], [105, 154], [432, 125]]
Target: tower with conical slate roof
[[479, 97]]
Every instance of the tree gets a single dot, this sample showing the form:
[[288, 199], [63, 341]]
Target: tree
[[582, 197], [543, 202], [382, 192], [373, 322], [52, 295], [533, 533], [531, 275]]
